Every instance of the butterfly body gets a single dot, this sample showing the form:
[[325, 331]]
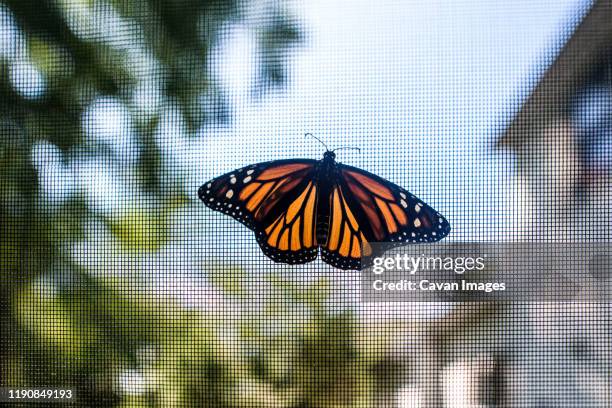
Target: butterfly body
[[300, 207], [325, 176]]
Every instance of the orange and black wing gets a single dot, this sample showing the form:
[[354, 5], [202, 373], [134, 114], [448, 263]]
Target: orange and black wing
[[275, 199], [347, 239], [365, 209]]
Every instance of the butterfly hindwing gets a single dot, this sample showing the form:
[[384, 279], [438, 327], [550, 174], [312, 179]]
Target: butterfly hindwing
[[346, 240], [274, 199], [288, 233], [366, 208]]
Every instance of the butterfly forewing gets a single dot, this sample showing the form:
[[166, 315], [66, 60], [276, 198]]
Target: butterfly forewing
[[275, 199], [383, 212], [248, 194]]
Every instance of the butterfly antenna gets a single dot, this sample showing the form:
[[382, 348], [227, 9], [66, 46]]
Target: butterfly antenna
[[347, 148], [317, 139]]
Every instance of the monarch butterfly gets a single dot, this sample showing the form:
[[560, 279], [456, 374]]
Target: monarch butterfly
[[298, 206]]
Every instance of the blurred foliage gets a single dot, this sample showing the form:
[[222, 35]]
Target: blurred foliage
[[122, 346], [64, 65], [119, 345], [317, 360]]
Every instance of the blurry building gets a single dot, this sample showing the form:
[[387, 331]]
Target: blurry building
[[562, 139]]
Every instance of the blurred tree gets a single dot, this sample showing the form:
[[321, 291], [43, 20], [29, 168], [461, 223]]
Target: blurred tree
[[312, 362], [62, 62]]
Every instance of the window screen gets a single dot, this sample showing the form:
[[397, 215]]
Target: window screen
[[121, 288]]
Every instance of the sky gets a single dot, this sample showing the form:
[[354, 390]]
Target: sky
[[423, 88]]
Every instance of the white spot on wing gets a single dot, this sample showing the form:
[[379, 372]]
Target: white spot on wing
[[403, 195], [233, 180], [417, 222], [246, 179], [404, 203], [249, 172], [229, 194], [417, 207]]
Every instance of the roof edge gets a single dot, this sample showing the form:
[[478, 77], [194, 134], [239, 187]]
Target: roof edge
[[548, 101]]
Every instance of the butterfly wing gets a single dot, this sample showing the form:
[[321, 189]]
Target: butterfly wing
[[275, 199], [288, 233], [279, 200], [346, 237], [365, 208]]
